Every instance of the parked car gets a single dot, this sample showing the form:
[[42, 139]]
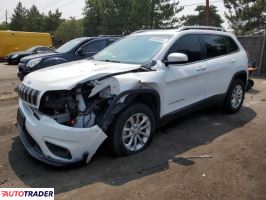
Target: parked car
[[127, 90], [14, 58], [76, 49]]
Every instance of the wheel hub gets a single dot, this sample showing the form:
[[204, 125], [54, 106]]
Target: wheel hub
[[136, 132]]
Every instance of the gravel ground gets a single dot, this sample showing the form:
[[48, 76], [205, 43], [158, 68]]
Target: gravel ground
[[173, 167]]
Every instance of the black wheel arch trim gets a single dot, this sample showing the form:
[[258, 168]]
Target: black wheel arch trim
[[131, 95]]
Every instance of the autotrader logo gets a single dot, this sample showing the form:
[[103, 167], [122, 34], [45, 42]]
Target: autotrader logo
[[26, 193]]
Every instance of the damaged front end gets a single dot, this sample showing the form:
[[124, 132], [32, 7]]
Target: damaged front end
[[82, 107], [68, 126]]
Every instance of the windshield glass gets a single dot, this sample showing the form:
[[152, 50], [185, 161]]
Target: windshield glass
[[31, 49], [135, 49], [68, 46]]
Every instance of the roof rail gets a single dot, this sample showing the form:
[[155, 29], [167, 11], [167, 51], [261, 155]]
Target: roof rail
[[183, 28], [110, 36], [144, 30]]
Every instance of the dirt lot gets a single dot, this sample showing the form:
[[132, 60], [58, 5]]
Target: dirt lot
[[168, 169]]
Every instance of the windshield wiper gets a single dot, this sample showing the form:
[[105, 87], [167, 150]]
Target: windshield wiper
[[110, 61], [91, 58], [148, 66]]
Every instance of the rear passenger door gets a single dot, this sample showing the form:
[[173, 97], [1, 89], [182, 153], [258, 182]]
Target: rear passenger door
[[219, 64]]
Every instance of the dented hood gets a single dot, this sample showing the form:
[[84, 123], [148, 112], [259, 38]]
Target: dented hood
[[68, 75]]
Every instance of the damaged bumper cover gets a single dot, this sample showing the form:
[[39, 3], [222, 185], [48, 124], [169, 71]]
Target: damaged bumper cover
[[56, 144]]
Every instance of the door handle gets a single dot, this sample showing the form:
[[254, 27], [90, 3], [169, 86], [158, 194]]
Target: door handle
[[231, 61], [198, 69], [201, 68]]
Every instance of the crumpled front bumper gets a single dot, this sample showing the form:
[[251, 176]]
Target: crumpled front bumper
[[37, 131]]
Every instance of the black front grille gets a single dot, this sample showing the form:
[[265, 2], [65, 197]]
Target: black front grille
[[28, 94]]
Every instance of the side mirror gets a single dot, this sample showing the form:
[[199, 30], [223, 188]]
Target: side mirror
[[176, 58], [80, 52]]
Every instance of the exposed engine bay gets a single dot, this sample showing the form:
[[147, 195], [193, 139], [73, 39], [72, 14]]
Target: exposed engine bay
[[76, 108]]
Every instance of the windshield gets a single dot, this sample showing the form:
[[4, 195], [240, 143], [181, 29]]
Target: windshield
[[135, 49], [31, 49], [68, 46]]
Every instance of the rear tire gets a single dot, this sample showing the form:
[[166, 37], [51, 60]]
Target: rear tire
[[235, 97], [132, 130]]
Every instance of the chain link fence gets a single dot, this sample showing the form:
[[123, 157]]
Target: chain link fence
[[256, 48]]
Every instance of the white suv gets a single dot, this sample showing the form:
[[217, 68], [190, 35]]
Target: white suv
[[127, 90]]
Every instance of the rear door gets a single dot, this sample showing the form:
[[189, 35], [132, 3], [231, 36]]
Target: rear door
[[219, 64], [185, 83]]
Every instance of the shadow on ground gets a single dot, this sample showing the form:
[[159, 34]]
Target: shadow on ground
[[171, 140]]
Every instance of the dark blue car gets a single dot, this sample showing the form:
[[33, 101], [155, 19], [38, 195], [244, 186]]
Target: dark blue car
[[76, 49]]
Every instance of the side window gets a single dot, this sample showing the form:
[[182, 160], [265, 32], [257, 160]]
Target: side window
[[189, 45], [110, 41], [43, 49], [94, 46], [214, 45], [231, 44]]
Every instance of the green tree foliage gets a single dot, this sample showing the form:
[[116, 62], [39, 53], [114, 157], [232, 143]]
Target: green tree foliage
[[200, 18], [34, 21], [51, 21], [125, 16], [246, 16], [19, 18], [69, 29], [4, 26]]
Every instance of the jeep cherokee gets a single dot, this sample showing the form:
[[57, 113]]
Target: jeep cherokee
[[126, 90]]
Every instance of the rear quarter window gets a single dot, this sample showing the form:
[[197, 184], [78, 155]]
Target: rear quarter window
[[230, 44]]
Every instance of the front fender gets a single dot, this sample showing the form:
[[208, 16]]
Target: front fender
[[125, 99]]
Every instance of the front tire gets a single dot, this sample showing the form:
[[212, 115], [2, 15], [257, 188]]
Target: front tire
[[235, 97], [132, 130]]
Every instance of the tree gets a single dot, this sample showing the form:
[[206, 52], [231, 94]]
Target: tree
[[246, 16], [200, 18], [18, 19], [69, 29], [93, 18], [52, 21], [4, 26], [125, 16], [34, 20]]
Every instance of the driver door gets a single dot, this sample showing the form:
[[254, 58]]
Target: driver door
[[185, 84]]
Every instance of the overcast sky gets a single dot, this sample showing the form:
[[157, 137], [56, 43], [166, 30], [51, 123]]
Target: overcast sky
[[74, 7]]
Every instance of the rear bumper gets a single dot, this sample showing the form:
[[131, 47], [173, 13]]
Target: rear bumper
[[80, 143]]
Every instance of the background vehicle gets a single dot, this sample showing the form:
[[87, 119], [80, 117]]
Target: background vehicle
[[14, 58], [11, 41], [127, 90], [76, 49], [251, 70]]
